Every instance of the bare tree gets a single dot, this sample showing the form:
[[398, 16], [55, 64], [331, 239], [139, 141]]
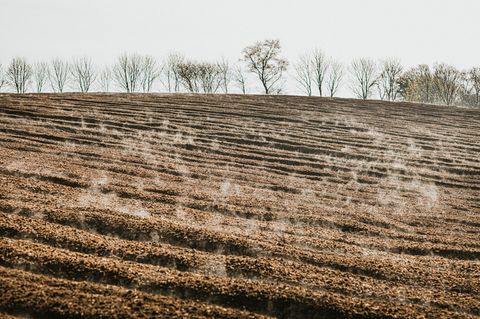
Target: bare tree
[[225, 74], [2, 77], [210, 77], [425, 84], [466, 95], [19, 74], [364, 76], [447, 81], [170, 77], [200, 76], [127, 72], [240, 79], [58, 74], [150, 72], [304, 73], [105, 79], [40, 75], [334, 77], [474, 78], [83, 73], [320, 67], [263, 59], [388, 80], [189, 76], [416, 84]]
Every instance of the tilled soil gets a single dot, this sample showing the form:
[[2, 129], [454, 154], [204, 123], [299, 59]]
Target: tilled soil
[[230, 206]]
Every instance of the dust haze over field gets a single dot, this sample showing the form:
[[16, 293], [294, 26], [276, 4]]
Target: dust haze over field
[[197, 205]]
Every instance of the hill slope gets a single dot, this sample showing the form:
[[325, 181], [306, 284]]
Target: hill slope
[[237, 206]]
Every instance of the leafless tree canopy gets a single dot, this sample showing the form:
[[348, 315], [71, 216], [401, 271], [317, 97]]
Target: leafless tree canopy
[[263, 59], [425, 84], [40, 75], [83, 73], [2, 77], [225, 74], [189, 76], [334, 77], [58, 74], [210, 77], [105, 79], [127, 72], [304, 73], [364, 77], [444, 84], [197, 77], [19, 74], [447, 82], [388, 81], [417, 85], [150, 72], [170, 77], [439, 84], [240, 78], [320, 68], [473, 77]]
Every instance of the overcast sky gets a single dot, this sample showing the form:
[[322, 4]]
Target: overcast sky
[[416, 31]]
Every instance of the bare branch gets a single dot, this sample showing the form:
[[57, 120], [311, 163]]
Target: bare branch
[[320, 68], [2, 77], [263, 59], [240, 79], [127, 72], [225, 74], [334, 77], [388, 81], [364, 76], [189, 76], [200, 76], [416, 84], [19, 74], [304, 73], [105, 79], [58, 75], [40, 75], [83, 73], [170, 77], [447, 81], [474, 79], [150, 72]]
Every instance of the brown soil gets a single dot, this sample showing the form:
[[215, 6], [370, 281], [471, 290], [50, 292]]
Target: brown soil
[[229, 206]]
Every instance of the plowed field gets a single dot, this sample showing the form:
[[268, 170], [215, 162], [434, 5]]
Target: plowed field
[[230, 206]]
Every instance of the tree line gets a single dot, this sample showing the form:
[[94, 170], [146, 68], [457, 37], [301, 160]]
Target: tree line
[[262, 63]]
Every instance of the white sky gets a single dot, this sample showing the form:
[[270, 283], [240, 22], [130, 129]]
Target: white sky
[[416, 31]]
